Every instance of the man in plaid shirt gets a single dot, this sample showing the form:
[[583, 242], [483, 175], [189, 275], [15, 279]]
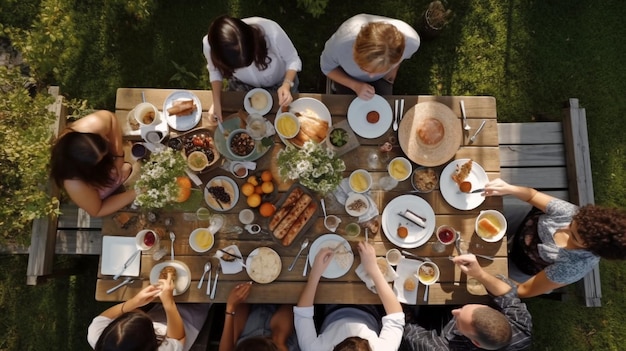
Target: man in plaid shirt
[[504, 325]]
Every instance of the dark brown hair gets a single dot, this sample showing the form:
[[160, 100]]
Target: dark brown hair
[[353, 343], [83, 156], [256, 343], [492, 329], [132, 331], [235, 44], [602, 229]]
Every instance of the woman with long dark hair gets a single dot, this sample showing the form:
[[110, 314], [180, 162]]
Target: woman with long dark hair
[[88, 162], [250, 53]]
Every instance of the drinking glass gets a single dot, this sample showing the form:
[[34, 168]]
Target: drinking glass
[[387, 183]]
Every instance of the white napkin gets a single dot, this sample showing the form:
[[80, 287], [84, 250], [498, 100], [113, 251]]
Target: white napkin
[[406, 268], [230, 267], [343, 191], [269, 130], [390, 276]]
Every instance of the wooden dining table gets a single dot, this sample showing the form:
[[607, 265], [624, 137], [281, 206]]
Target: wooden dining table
[[451, 287]]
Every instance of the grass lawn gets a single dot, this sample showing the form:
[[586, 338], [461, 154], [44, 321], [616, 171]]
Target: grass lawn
[[531, 55]]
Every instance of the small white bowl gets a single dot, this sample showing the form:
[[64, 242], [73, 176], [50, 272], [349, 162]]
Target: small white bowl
[[434, 279], [396, 162], [229, 140], [353, 197], [201, 234], [285, 117], [497, 219], [354, 178], [141, 111], [140, 239]]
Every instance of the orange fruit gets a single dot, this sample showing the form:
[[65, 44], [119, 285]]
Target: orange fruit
[[267, 187], [252, 180], [247, 189], [267, 209], [254, 200], [266, 176], [258, 189], [184, 189]]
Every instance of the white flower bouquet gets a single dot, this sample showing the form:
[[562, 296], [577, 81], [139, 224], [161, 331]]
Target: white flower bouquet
[[314, 166], [157, 186]]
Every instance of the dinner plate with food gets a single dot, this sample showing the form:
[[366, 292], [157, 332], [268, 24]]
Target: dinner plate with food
[[408, 221], [370, 118], [314, 120], [342, 259], [182, 110], [180, 274], [198, 148], [263, 265], [405, 286], [459, 179], [258, 100], [221, 193], [231, 125]]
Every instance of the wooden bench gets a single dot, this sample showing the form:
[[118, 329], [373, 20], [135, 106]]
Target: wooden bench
[[73, 232], [552, 157]]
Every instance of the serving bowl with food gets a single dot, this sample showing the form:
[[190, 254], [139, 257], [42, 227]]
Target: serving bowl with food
[[258, 100], [201, 240], [287, 125], [240, 144], [490, 225], [399, 168], [198, 148], [428, 273], [424, 179], [314, 119], [360, 181]]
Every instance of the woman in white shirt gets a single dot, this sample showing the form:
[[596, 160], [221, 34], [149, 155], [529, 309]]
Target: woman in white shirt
[[364, 54], [250, 53]]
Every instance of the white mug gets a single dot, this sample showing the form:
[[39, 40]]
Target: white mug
[[253, 228]]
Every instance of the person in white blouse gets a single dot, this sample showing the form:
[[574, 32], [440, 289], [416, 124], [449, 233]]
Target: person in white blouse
[[363, 56], [349, 327], [250, 53]]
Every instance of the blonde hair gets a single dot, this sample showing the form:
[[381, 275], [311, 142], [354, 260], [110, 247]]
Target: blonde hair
[[378, 47]]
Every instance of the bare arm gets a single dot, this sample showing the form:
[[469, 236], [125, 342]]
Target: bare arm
[[363, 90], [143, 297], [234, 321], [470, 266], [216, 90], [530, 195], [387, 297], [175, 327], [89, 200], [537, 285], [322, 260]]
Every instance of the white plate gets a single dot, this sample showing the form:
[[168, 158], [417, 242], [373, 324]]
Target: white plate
[[450, 190], [391, 219], [331, 240], [406, 268], [234, 195], [248, 106], [354, 197], [183, 275], [268, 251], [115, 251], [183, 123], [357, 111], [314, 105]]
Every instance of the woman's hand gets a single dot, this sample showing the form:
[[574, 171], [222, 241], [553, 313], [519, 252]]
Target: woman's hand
[[368, 257], [322, 260], [284, 95], [364, 91], [238, 295], [498, 187], [145, 296], [167, 289]]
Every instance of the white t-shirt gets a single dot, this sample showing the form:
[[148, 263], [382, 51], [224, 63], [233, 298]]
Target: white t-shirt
[[350, 322], [99, 323], [338, 49], [279, 48]]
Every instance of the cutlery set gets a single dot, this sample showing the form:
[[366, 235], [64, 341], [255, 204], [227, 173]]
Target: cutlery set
[[467, 126], [398, 113]]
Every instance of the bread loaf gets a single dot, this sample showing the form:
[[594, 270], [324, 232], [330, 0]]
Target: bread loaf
[[299, 223], [290, 218]]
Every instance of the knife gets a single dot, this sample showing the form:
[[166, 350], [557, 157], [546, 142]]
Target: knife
[[125, 282], [231, 254], [477, 191], [126, 264], [194, 178]]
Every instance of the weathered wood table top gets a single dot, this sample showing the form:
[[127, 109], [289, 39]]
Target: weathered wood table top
[[451, 288]]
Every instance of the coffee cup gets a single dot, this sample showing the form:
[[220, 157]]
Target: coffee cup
[[146, 114], [238, 169], [139, 151], [253, 228]]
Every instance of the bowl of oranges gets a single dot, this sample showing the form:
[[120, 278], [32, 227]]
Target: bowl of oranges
[[260, 190]]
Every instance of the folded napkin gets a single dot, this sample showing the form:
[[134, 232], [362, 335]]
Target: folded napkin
[[406, 268], [269, 130], [230, 267], [343, 191], [390, 276]]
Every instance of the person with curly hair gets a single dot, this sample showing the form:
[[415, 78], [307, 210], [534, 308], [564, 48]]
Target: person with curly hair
[[363, 56], [250, 53], [558, 243]]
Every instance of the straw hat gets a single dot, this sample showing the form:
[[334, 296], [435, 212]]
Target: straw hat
[[430, 133]]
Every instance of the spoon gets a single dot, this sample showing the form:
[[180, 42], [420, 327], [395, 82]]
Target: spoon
[[426, 293], [207, 267], [323, 208], [305, 243], [466, 126], [172, 238]]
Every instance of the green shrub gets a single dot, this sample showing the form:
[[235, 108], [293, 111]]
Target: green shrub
[[25, 135], [314, 7]]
